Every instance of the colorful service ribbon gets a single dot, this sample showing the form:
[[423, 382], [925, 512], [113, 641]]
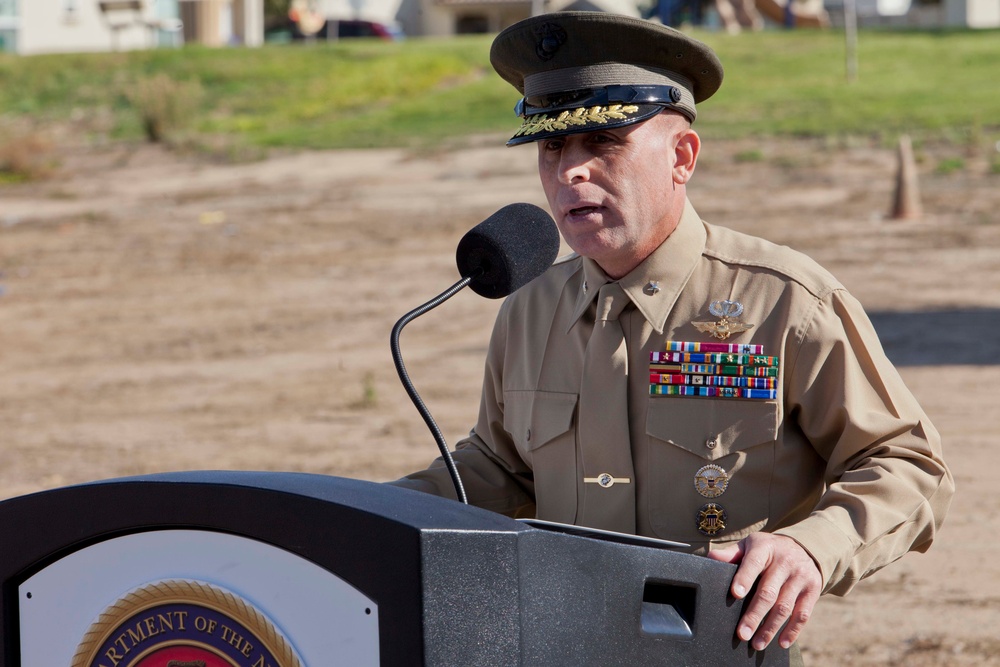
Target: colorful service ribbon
[[733, 348], [714, 370]]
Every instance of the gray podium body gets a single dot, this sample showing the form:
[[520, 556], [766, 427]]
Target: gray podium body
[[452, 585]]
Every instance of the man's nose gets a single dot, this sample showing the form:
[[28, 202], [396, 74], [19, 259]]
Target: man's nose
[[574, 165]]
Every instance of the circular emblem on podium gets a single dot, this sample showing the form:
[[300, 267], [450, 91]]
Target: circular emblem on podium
[[180, 623]]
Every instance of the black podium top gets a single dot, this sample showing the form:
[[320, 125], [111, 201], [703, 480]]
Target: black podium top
[[455, 585]]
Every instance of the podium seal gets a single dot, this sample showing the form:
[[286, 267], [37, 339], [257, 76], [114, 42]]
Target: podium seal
[[180, 623]]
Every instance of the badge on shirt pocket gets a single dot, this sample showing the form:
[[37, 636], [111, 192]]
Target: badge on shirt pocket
[[713, 450]]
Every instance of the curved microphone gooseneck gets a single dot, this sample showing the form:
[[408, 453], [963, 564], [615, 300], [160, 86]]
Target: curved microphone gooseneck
[[404, 377], [509, 249]]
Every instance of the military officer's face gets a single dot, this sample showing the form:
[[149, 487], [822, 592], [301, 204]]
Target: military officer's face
[[617, 194]]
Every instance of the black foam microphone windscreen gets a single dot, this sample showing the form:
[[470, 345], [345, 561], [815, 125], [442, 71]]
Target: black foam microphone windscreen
[[507, 250]]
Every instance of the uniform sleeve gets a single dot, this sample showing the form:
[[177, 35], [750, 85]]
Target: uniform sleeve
[[887, 486], [493, 474]]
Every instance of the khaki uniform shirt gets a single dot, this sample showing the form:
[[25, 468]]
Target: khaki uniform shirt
[[844, 461]]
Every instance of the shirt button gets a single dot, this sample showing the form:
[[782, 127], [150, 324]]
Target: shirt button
[[712, 442]]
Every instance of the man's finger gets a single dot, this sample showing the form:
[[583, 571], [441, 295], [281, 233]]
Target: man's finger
[[768, 594], [779, 595], [800, 616], [755, 559], [731, 554]]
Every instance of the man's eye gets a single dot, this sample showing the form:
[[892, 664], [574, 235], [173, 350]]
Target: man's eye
[[553, 145]]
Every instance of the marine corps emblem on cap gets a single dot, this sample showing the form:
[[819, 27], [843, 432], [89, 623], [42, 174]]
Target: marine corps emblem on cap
[[583, 71], [550, 38]]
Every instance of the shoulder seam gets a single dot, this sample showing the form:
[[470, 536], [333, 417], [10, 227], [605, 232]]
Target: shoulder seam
[[819, 289]]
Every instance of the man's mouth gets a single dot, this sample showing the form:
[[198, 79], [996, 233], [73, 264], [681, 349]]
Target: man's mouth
[[583, 210]]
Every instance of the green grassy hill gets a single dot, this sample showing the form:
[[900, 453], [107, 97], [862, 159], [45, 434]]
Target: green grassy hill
[[368, 93]]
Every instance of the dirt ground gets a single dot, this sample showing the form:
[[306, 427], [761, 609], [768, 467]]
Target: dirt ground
[[164, 312]]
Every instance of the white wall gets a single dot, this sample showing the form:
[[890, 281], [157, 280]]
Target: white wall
[[248, 22], [381, 11], [982, 13]]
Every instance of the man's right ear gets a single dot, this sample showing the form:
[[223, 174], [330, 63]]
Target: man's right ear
[[686, 155]]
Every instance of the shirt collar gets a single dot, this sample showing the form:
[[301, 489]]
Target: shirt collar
[[655, 284]]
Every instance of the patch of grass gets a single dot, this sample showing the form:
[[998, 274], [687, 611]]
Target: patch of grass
[[163, 104], [950, 165], [750, 155], [793, 83], [369, 394], [420, 91]]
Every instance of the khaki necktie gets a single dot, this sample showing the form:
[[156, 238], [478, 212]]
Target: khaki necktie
[[608, 498]]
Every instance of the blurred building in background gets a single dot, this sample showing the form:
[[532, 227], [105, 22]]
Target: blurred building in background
[[50, 26], [46, 26], [448, 17], [920, 13], [222, 22], [391, 19]]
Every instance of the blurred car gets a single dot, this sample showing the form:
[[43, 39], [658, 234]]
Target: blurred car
[[336, 29], [361, 29]]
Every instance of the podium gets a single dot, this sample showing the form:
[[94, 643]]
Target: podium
[[298, 570]]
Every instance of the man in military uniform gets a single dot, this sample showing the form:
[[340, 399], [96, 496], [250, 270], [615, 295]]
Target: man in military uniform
[[679, 380]]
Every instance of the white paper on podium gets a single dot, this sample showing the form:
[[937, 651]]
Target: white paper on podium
[[326, 620]]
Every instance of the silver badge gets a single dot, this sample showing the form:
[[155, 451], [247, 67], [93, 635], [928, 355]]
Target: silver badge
[[711, 481]]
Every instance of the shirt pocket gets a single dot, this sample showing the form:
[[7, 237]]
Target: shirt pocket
[[541, 425], [686, 434]]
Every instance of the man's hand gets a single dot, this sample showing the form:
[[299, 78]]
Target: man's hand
[[790, 584]]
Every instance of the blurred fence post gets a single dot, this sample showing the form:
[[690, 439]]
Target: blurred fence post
[[906, 201], [851, 39]]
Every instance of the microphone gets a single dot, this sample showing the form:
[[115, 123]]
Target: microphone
[[501, 254], [508, 250]]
